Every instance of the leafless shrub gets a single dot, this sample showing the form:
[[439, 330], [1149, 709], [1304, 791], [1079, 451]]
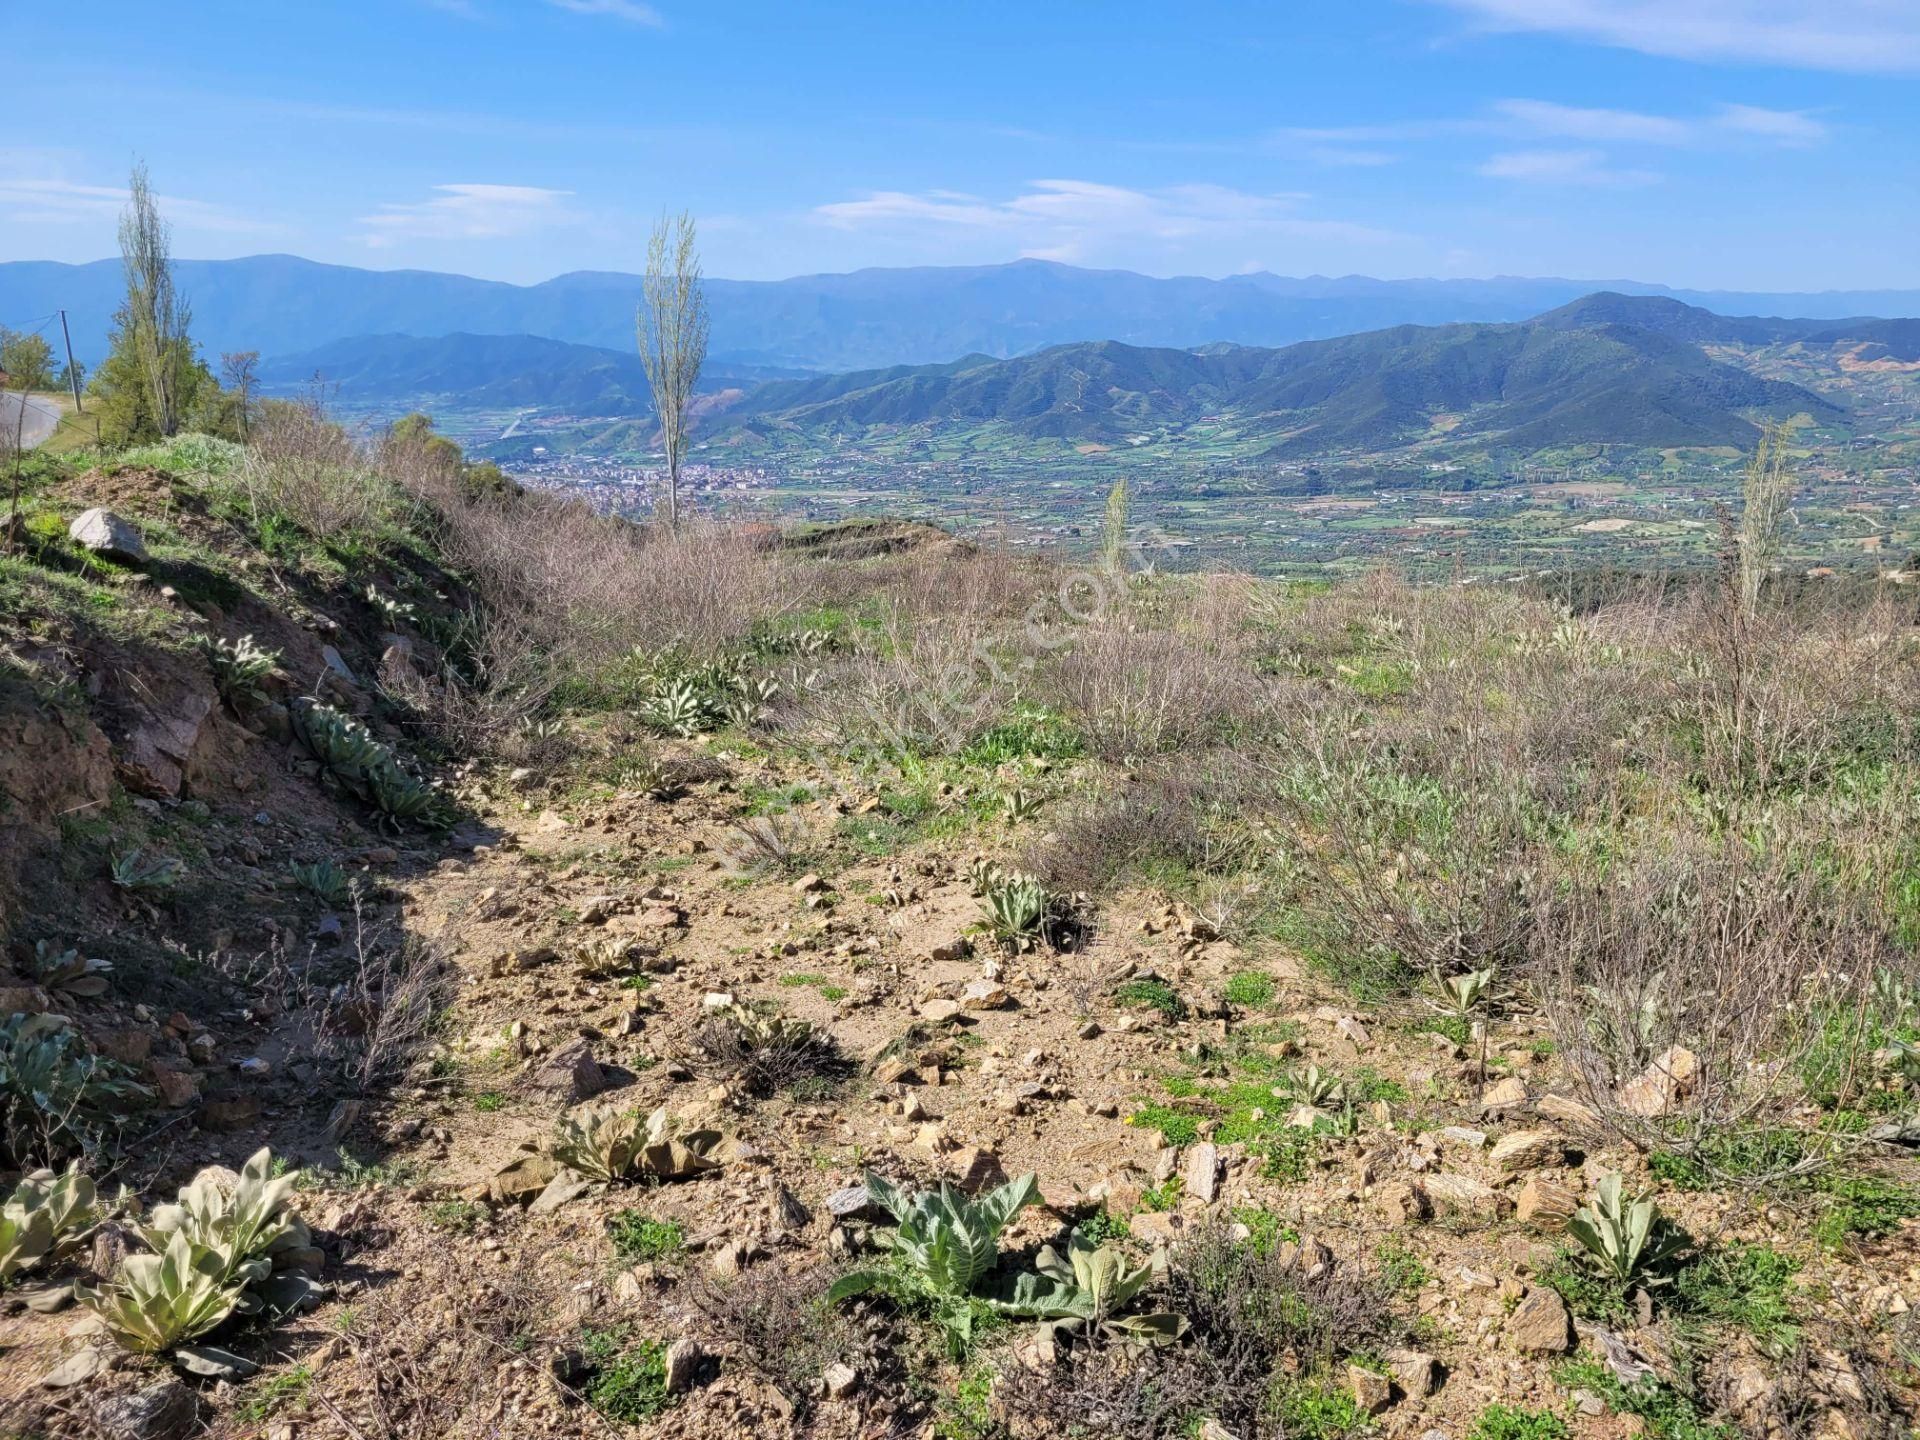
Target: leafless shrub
[[304, 466], [768, 1053], [590, 588], [413, 1350], [488, 702], [1139, 692], [1704, 995], [1169, 816], [777, 1323], [924, 689], [1259, 1315], [376, 1018]]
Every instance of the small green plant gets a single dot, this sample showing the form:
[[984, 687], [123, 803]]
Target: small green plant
[[1509, 1422], [612, 1142], [487, 1102], [1626, 1237], [157, 1302], [55, 1096], [677, 709], [1668, 1413], [45, 1218], [626, 1381], [323, 880], [945, 1247], [240, 671], [638, 1237], [68, 972], [1250, 990], [277, 1393], [1747, 1286], [1151, 994], [1862, 1207], [1086, 1291], [458, 1217], [359, 765], [136, 871], [1313, 1086], [1019, 805], [1018, 910], [1400, 1267], [1313, 1412]]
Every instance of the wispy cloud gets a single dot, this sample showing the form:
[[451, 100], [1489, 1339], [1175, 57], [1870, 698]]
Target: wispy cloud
[[469, 212], [631, 11], [1564, 167], [1788, 127], [1847, 35], [1545, 118], [1068, 219], [34, 194]]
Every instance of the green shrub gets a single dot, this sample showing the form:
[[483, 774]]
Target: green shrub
[[1250, 990], [1862, 1207], [637, 1237], [1151, 995], [625, 1381], [1507, 1422], [1746, 1286]]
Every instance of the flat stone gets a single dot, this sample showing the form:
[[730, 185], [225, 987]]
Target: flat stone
[[1203, 1173], [1463, 1194], [570, 1074], [1528, 1150], [684, 1358], [166, 1411], [108, 534], [1539, 1324], [939, 1011], [985, 995], [1545, 1203], [1415, 1371], [1371, 1391], [841, 1380], [1504, 1094], [1659, 1088]]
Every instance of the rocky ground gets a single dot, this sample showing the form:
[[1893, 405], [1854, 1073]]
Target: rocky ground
[[575, 940]]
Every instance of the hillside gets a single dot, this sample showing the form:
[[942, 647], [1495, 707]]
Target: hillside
[[1576, 375], [282, 305], [535, 975]]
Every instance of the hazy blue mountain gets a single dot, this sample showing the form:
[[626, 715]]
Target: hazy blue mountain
[[487, 371], [282, 305], [1527, 385]]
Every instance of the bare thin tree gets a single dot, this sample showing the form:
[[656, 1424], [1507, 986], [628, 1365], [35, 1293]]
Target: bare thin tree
[[673, 338], [155, 313], [1766, 491], [238, 372]]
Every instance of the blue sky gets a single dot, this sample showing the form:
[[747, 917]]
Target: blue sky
[[1757, 144]]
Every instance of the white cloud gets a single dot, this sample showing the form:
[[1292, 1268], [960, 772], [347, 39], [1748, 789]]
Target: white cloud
[[1788, 127], [1563, 167], [33, 193], [1067, 219], [1570, 122], [632, 11], [1852, 35], [469, 212], [1545, 119]]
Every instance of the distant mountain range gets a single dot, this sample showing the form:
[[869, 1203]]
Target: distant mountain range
[[1607, 369], [488, 372], [285, 306]]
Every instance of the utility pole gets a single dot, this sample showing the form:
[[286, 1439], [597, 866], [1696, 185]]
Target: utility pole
[[73, 375]]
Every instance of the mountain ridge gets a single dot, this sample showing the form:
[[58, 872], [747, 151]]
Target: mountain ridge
[[286, 305]]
